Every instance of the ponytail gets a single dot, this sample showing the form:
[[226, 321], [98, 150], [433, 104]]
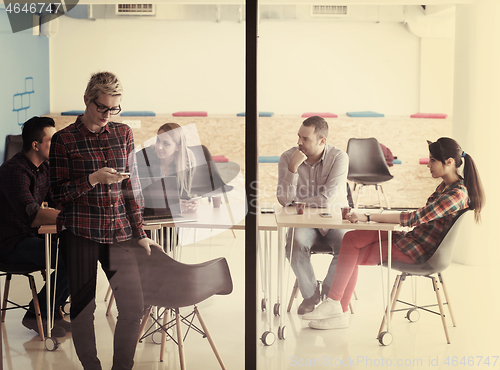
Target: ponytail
[[445, 148], [474, 187]]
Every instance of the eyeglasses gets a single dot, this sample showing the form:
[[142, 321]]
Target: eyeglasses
[[104, 109]]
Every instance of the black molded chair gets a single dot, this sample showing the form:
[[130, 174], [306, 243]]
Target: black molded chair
[[13, 145], [171, 284], [207, 181], [25, 270], [367, 166], [439, 261]]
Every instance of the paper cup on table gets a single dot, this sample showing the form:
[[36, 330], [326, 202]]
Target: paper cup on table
[[216, 201], [299, 206], [345, 211]]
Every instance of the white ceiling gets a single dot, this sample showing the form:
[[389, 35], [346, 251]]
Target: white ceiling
[[267, 2]]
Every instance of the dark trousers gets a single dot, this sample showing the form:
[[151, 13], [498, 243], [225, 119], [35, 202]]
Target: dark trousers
[[120, 266], [31, 250]]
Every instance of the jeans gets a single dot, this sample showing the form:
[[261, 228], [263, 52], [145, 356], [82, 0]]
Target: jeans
[[120, 266], [303, 241], [31, 250]]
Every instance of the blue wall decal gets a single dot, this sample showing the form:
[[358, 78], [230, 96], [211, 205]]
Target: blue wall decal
[[22, 101], [24, 59]]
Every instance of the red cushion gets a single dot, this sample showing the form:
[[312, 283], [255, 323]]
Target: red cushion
[[220, 158], [325, 114], [429, 115], [190, 114], [424, 160]]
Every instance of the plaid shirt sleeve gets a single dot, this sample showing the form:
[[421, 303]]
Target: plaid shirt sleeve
[[131, 190], [438, 206], [23, 187], [19, 196], [66, 188]]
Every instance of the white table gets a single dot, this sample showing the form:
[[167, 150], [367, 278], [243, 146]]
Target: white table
[[288, 217]]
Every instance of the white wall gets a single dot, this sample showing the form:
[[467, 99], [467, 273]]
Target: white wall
[[476, 122], [436, 75], [338, 67], [167, 66], [164, 66]]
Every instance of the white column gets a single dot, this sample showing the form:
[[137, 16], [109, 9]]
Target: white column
[[476, 120]]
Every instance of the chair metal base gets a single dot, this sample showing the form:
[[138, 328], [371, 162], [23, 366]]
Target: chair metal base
[[378, 188]]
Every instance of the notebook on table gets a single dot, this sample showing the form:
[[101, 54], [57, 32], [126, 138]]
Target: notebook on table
[[161, 200]]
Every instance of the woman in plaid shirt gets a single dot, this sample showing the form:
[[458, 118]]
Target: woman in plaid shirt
[[430, 224], [90, 162]]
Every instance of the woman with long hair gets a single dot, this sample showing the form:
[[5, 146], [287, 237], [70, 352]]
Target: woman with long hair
[[170, 156], [430, 225]]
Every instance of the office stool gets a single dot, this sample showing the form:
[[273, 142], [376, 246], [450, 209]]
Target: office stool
[[25, 270]]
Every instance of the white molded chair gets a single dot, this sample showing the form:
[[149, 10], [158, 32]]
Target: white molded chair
[[431, 269]]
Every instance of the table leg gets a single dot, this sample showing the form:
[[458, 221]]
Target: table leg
[[281, 262], [262, 252], [48, 254], [389, 267], [268, 336], [385, 338], [51, 344]]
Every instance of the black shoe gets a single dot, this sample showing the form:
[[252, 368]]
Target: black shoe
[[308, 304], [29, 321], [59, 321]]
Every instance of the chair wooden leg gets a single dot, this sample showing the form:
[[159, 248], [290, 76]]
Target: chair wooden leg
[[435, 282], [295, 292], [447, 299], [180, 342], [144, 321], [166, 317], [5, 295], [209, 337], [108, 292], [396, 290], [350, 303], [38, 314], [111, 300]]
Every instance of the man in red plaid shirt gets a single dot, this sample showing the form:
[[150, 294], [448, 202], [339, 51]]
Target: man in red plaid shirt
[[23, 190], [90, 163]]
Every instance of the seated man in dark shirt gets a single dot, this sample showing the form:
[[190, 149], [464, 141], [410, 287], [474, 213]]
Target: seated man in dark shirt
[[23, 189]]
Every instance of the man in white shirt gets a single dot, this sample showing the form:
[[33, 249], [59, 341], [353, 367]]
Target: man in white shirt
[[314, 173]]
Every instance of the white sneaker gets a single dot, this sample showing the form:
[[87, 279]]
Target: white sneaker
[[326, 310], [328, 324]]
